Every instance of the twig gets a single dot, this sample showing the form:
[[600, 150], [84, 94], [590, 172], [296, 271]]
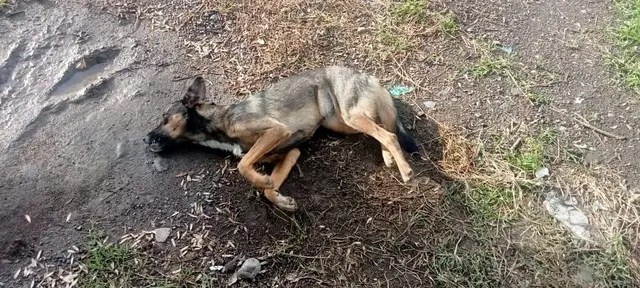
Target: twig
[[178, 79], [300, 171], [598, 130], [300, 256], [402, 75]]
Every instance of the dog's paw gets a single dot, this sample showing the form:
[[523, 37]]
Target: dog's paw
[[408, 176], [286, 203]]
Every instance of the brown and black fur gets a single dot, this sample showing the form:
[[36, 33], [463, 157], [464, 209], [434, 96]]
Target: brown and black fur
[[269, 125]]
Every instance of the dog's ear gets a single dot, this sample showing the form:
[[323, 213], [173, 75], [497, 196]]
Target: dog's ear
[[195, 93]]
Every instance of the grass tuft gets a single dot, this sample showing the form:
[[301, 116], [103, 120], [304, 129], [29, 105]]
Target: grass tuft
[[489, 66], [627, 36], [447, 24], [530, 157], [410, 10], [110, 265]]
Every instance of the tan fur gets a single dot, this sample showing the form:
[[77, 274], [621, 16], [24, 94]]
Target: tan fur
[[274, 121]]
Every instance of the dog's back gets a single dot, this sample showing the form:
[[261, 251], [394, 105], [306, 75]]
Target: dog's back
[[325, 97]]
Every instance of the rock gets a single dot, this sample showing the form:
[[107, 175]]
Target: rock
[[160, 164], [249, 269], [515, 91], [162, 234], [542, 172], [119, 150], [569, 216], [429, 104]]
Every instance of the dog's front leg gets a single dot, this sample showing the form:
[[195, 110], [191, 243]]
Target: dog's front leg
[[279, 175], [270, 139]]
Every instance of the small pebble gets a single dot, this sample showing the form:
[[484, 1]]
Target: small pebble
[[429, 104], [543, 172], [249, 269], [160, 164], [119, 150], [162, 234]]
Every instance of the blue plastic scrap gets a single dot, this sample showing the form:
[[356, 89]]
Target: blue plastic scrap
[[399, 90]]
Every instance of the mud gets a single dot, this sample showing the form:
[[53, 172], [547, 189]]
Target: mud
[[77, 92]]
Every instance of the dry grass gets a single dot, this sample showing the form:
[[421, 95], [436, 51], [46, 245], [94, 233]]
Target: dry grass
[[265, 40]]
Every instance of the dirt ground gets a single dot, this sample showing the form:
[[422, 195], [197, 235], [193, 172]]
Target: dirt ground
[[81, 83]]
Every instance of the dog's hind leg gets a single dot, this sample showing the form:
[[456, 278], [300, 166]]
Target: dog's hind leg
[[278, 176], [389, 140], [386, 155], [269, 140]]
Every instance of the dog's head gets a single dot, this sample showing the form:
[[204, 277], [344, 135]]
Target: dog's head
[[179, 119]]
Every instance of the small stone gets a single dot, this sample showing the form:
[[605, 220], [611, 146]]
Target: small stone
[[515, 91], [429, 104], [542, 172], [249, 269], [162, 234], [119, 150], [160, 164]]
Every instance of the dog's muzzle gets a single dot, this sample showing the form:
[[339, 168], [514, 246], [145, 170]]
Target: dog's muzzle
[[156, 142]]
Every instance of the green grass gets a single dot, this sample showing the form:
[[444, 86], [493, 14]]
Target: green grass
[[110, 265], [489, 65], [456, 267], [390, 42], [490, 203], [410, 10], [447, 24], [610, 266], [627, 35], [530, 157], [3, 3], [538, 99]]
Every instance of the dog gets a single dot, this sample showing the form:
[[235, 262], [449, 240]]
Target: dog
[[269, 126]]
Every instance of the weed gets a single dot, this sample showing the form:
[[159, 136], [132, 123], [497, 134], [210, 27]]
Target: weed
[[410, 10], [447, 24], [110, 265], [530, 157], [390, 42], [538, 99], [609, 266], [490, 203], [488, 66], [466, 261], [627, 36]]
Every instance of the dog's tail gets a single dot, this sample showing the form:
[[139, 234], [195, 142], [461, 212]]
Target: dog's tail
[[407, 143]]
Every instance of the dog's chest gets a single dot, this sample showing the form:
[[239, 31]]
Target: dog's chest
[[229, 147]]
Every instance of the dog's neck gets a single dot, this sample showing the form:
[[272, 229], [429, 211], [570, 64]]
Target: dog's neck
[[216, 127]]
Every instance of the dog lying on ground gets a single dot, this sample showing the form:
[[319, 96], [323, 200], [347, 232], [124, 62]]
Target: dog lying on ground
[[269, 125]]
